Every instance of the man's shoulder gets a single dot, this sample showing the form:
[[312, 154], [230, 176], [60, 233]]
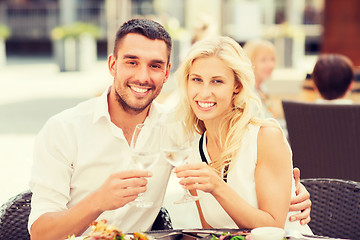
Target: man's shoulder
[[161, 111]]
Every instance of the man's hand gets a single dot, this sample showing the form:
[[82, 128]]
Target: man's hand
[[301, 202], [121, 188]]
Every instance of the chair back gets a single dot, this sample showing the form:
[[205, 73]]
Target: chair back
[[14, 217], [324, 138], [335, 210]]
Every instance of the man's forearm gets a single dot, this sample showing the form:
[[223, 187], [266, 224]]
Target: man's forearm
[[59, 225]]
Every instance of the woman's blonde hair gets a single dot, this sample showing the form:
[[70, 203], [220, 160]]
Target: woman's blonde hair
[[246, 104]]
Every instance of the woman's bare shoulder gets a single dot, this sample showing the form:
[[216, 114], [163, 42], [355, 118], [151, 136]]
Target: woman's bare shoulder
[[270, 128], [272, 145], [271, 135]]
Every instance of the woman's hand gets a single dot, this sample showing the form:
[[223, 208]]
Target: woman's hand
[[301, 202], [198, 176]]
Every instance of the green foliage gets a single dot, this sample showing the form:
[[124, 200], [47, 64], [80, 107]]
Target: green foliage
[[174, 29], [75, 30], [5, 31]]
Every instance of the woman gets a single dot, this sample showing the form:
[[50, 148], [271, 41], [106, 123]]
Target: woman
[[263, 58], [246, 180]]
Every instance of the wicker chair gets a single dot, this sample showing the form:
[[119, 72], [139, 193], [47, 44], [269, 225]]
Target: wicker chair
[[14, 217], [335, 210], [15, 212], [324, 139]]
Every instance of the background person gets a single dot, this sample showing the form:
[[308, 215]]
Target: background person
[[204, 27], [242, 164], [333, 78], [263, 58]]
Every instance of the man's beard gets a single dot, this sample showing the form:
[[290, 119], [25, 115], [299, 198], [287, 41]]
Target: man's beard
[[129, 109]]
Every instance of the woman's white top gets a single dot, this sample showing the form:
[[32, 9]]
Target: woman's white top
[[241, 178]]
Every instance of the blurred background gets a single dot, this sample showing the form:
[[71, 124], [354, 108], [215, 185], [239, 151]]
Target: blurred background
[[53, 54]]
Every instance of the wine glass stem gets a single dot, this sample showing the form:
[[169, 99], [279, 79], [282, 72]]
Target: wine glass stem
[[140, 197], [187, 193]]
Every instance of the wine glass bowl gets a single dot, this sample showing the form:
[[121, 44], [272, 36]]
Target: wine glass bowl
[[145, 151], [144, 160], [176, 148], [177, 156]]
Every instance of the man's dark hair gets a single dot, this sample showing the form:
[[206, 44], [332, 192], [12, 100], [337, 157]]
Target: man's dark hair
[[332, 75], [146, 27]]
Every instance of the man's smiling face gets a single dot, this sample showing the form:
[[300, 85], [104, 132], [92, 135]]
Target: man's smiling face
[[140, 69]]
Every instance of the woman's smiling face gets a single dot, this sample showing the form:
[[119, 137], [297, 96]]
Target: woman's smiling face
[[211, 85]]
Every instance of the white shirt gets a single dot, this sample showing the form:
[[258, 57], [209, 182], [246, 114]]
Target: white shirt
[[241, 177], [75, 153], [340, 101]]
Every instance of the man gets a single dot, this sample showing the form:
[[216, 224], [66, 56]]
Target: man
[[81, 162], [333, 77], [82, 167]]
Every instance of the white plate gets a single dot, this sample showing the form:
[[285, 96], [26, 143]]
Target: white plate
[[127, 237]]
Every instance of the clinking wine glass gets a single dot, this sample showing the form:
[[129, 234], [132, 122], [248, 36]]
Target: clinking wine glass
[[176, 148], [145, 151]]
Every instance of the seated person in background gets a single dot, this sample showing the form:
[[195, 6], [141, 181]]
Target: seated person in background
[[333, 77], [262, 56], [263, 59], [204, 27], [242, 164]]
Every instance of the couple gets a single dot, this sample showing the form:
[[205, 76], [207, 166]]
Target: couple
[[82, 156]]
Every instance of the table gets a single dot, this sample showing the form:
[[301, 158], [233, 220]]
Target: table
[[206, 234]]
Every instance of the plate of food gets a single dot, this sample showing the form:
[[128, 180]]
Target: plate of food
[[218, 234], [102, 231]]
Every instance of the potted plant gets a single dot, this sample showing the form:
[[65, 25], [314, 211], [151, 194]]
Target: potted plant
[[75, 45], [5, 33]]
